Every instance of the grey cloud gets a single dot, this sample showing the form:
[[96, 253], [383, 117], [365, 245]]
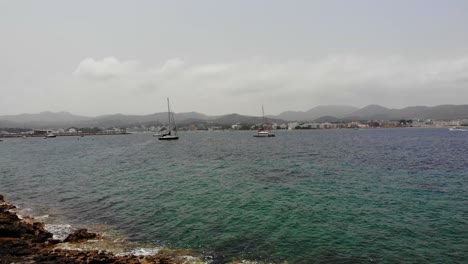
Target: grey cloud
[[344, 79], [106, 68]]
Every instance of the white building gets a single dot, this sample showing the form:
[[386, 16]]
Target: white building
[[292, 125], [236, 127]]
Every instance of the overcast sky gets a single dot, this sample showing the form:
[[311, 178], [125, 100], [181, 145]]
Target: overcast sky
[[218, 57]]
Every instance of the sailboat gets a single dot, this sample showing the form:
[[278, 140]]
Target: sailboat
[[265, 130], [171, 132]]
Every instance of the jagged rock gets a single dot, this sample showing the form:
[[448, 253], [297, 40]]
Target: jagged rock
[[8, 217], [16, 247], [23, 242], [80, 236]]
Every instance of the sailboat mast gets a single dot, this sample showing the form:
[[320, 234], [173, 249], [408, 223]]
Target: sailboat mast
[[263, 115], [168, 113]]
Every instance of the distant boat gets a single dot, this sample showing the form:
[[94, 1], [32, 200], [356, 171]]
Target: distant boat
[[171, 132], [457, 128], [264, 133], [265, 130], [50, 135]]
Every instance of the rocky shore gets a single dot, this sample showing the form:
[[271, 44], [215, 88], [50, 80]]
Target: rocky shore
[[24, 240]]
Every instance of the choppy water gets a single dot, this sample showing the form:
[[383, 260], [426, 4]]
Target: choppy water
[[342, 196]]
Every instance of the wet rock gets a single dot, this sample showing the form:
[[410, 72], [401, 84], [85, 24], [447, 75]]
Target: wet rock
[[25, 242], [16, 247], [81, 235]]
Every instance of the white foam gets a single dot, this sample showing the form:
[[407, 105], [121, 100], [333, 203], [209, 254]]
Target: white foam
[[70, 248], [41, 217], [140, 252], [28, 211], [59, 231]]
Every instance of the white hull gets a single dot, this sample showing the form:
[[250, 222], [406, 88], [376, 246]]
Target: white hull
[[457, 129], [264, 131], [264, 134]]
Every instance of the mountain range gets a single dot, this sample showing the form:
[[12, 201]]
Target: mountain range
[[320, 113]]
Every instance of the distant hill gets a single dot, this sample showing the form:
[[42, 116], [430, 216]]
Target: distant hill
[[45, 117], [436, 112], [242, 119], [337, 111], [65, 120], [324, 119], [328, 113], [120, 120], [9, 124], [368, 112], [441, 111]]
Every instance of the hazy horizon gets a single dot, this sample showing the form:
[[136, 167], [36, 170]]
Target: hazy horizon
[[97, 58], [178, 112]]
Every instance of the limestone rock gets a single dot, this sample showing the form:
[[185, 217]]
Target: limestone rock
[[80, 235]]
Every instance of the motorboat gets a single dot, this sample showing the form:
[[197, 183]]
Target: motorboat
[[458, 128]]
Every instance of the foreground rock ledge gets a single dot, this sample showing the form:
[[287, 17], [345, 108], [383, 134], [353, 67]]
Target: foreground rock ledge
[[27, 241]]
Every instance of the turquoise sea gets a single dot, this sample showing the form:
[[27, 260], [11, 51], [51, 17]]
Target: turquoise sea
[[338, 196]]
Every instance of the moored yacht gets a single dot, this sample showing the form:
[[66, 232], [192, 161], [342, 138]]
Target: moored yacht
[[171, 132], [264, 133], [265, 129]]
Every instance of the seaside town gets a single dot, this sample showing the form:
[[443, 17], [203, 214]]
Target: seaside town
[[197, 126]]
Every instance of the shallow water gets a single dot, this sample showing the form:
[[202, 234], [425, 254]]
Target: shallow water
[[341, 196]]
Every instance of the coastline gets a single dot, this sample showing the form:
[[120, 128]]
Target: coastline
[[24, 239], [16, 135]]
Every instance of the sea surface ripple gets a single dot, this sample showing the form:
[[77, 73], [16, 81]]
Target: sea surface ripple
[[340, 196]]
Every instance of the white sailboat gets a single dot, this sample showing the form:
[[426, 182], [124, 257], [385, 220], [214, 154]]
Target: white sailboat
[[265, 130], [171, 132]]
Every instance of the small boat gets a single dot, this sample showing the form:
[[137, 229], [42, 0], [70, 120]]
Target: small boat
[[171, 132], [265, 130], [264, 133], [50, 135], [457, 128]]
